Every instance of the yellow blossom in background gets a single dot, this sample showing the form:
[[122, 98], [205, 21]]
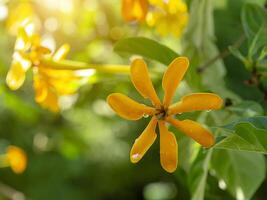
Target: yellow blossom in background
[[16, 159], [27, 51], [163, 112], [168, 17], [134, 10], [49, 83], [19, 13]]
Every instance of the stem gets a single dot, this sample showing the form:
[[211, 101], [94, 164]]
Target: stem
[[75, 65], [221, 55], [256, 80]]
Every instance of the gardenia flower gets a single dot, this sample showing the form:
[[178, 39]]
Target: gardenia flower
[[168, 16], [134, 10], [163, 113], [16, 158], [49, 83], [19, 14]]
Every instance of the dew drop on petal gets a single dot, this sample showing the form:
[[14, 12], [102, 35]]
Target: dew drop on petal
[[145, 115], [136, 157]]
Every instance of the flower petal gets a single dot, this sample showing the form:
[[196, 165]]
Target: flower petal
[[134, 10], [142, 82], [168, 149], [15, 76], [40, 88], [196, 102], [128, 108], [51, 101], [194, 130], [172, 77], [17, 159], [144, 141], [61, 52]]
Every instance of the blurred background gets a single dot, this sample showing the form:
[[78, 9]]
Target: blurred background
[[83, 151]]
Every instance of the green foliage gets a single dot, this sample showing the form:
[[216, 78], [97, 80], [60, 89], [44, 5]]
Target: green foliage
[[248, 134], [241, 172], [198, 174], [83, 152], [147, 48]]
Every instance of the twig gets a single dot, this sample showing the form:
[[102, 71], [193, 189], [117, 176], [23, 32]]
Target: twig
[[221, 55], [256, 80]]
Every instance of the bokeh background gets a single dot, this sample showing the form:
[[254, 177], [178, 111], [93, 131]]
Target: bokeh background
[[83, 152]]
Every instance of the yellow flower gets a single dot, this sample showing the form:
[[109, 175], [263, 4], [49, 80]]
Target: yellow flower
[[19, 14], [17, 159], [134, 10], [162, 113], [26, 53], [50, 84], [168, 16]]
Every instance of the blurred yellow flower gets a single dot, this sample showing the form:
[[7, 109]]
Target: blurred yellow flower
[[162, 113], [168, 16], [17, 159], [19, 14], [49, 83], [134, 10], [27, 52]]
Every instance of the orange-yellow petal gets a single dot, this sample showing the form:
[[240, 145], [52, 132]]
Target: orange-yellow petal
[[194, 130], [62, 52], [22, 41], [134, 10], [142, 82], [128, 108], [196, 102], [40, 88], [15, 76], [168, 148], [172, 77], [144, 141], [51, 102], [17, 159]]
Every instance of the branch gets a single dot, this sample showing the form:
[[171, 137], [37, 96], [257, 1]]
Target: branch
[[221, 55]]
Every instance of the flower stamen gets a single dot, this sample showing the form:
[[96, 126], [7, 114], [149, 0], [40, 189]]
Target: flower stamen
[[161, 113]]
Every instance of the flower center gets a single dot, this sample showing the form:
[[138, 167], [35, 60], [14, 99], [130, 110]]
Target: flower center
[[161, 113]]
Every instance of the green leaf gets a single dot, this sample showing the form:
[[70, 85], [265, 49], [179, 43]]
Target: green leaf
[[237, 53], [242, 172], [147, 48], [198, 174], [248, 134], [263, 53], [247, 109], [259, 40], [258, 122], [253, 17]]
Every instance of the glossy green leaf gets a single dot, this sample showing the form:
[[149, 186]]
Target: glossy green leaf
[[147, 48], [263, 53], [241, 172], [237, 53], [253, 17], [198, 174], [259, 40], [247, 109], [247, 135]]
